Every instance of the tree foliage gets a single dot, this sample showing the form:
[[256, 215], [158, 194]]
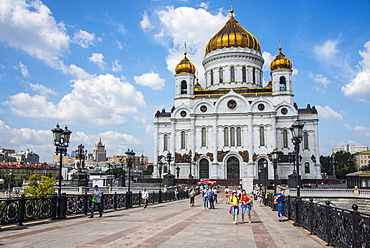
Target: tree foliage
[[117, 172], [41, 188], [342, 162], [148, 170]]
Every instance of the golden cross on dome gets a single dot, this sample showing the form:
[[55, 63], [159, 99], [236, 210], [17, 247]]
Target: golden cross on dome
[[280, 46], [185, 48]]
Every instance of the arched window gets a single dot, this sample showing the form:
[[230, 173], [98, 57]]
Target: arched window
[[226, 136], [232, 136], [238, 136], [165, 142], [282, 83], [254, 75], [232, 74], [183, 145], [204, 137], [244, 74], [262, 136], [211, 77], [221, 74], [184, 87], [306, 167], [305, 141], [285, 138]]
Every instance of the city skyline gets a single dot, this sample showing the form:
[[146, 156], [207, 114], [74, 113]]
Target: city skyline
[[105, 68]]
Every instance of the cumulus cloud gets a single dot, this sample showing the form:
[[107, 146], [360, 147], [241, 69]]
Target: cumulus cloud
[[83, 38], [100, 100], [116, 66], [204, 5], [23, 70], [145, 23], [361, 131], [151, 80], [29, 26], [320, 80], [190, 25], [42, 89], [98, 59], [268, 57], [359, 87], [327, 51], [328, 113]]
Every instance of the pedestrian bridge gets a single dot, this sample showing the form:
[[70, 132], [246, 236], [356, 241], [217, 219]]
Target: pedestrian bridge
[[169, 224]]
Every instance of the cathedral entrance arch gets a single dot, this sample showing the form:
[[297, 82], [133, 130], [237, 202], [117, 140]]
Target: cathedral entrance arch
[[262, 169], [203, 168], [233, 168]]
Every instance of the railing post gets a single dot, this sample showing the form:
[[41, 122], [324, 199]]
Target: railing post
[[289, 207], [115, 200], [64, 205], [160, 196], [311, 216], [297, 212], [22, 210], [86, 207], [328, 233], [140, 199], [54, 206], [356, 243], [102, 201], [153, 197]]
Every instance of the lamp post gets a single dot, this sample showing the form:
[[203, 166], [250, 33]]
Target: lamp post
[[265, 172], [61, 142], [177, 174], [190, 159], [160, 166], [10, 184], [169, 159], [130, 155], [142, 163], [80, 177], [275, 158], [297, 133]]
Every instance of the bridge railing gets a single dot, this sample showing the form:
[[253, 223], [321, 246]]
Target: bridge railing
[[338, 227], [22, 209]]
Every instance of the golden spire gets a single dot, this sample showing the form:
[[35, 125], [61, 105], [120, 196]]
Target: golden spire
[[185, 66], [281, 62]]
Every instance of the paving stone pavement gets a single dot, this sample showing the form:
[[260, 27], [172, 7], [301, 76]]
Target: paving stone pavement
[[172, 224]]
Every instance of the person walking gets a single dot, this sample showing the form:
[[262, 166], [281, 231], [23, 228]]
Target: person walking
[[205, 198], [246, 201], [145, 197], [215, 194], [234, 208], [279, 198], [227, 194], [176, 194], [211, 195], [192, 197], [96, 200]]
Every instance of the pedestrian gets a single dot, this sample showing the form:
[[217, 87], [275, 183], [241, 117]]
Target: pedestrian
[[246, 201], [266, 200], [211, 194], [192, 197], [145, 197], [227, 195], [279, 199], [215, 194], [205, 198], [96, 200], [176, 194], [234, 208], [259, 198]]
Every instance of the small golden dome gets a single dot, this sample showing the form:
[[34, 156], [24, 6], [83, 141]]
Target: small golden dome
[[185, 66], [232, 35], [281, 62]]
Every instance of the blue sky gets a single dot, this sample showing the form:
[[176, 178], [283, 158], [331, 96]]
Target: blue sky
[[105, 67]]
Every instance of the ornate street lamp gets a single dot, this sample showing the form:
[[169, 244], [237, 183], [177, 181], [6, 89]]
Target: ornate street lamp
[[178, 174], [190, 159], [265, 172], [10, 184], [130, 155], [142, 162], [275, 158], [297, 133], [61, 142], [160, 166], [169, 159], [80, 178]]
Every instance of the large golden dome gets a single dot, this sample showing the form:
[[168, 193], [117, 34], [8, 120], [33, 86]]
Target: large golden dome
[[281, 62], [232, 35], [185, 66]]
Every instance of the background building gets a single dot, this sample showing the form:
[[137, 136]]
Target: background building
[[233, 122], [350, 149], [361, 159], [99, 153]]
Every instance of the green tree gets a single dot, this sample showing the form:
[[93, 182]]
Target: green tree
[[39, 189], [117, 172], [148, 170]]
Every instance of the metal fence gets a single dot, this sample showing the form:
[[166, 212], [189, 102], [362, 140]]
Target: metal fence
[[338, 227], [22, 209]]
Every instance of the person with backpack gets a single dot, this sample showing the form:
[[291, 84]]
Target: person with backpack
[[96, 201], [211, 195], [246, 201], [279, 199], [192, 197], [227, 194], [234, 208]]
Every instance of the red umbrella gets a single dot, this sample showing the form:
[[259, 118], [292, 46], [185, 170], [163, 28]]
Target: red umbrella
[[207, 181]]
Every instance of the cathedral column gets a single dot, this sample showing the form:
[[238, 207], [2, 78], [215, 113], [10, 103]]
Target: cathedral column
[[192, 142], [252, 167], [215, 146], [156, 149], [173, 144]]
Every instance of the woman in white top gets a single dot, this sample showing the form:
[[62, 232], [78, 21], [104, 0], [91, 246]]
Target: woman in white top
[[227, 195]]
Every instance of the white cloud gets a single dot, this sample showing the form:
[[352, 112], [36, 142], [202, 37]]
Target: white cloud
[[151, 80], [204, 5], [116, 66], [359, 87], [327, 51], [193, 26], [99, 100], [268, 57], [83, 38], [42, 89], [320, 80], [328, 113], [145, 23], [361, 131], [23, 70], [98, 59], [30, 27]]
